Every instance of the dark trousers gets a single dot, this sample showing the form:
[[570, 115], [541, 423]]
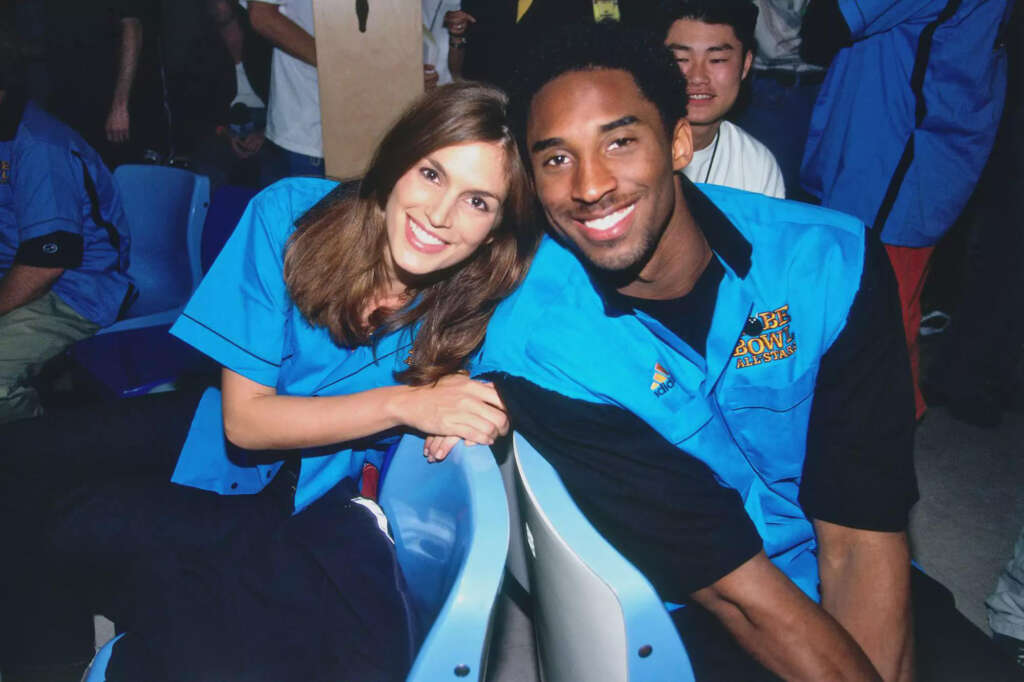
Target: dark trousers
[[92, 524], [949, 648]]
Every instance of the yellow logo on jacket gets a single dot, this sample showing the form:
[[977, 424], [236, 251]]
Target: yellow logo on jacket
[[766, 337]]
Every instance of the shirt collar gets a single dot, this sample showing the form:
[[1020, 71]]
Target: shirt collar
[[11, 110], [725, 240]]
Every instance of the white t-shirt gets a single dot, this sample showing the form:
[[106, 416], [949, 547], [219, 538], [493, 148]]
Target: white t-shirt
[[435, 36], [243, 90], [736, 159], [293, 117]]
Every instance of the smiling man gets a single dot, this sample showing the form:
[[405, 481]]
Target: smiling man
[[718, 377], [713, 44]]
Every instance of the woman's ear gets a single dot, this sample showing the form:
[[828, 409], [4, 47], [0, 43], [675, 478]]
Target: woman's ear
[[682, 145]]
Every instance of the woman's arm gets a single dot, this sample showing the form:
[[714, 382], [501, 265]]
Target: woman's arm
[[257, 418]]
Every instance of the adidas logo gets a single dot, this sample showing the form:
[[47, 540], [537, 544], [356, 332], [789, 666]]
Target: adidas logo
[[662, 380]]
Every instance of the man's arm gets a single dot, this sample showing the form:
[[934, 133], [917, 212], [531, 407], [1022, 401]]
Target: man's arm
[[865, 585], [858, 482], [282, 32], [118, 124], [25, 283], [788, 633]]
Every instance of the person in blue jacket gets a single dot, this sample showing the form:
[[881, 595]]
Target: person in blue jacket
[[63, 240], [905, 122], [720, 380], [340, 320]]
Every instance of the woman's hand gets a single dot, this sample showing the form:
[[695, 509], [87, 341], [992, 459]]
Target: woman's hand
[[455, 406], [436, 448]]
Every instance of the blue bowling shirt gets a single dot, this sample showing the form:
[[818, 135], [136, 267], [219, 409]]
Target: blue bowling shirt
[[59, 208], [908, 113], [242, 316], [738, 419]]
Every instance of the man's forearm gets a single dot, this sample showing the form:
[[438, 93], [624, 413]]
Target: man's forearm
[[779, 626], [23, 284], [865, 585], [128, 60], [282, 32]]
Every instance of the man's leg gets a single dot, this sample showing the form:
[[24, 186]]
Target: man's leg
[[29, 336], [911, 268]]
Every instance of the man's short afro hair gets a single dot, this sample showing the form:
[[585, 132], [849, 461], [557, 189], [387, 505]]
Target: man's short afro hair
[[602, 46]]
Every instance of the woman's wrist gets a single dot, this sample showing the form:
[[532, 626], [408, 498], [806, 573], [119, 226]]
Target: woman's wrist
[[397, 401]]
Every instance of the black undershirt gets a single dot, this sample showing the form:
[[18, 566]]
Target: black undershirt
[[688, 317]]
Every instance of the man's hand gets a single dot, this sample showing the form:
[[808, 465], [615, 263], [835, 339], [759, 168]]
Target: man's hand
[[458, 22], [245, 147], [865, 585], [787, 632], [118, 126], [430, 77]]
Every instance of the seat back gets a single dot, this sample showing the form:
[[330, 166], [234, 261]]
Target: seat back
[[165, 208], [226, 208], [451, 530], [596, 617]]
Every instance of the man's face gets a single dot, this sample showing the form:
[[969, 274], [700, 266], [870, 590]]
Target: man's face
[[714, 63], [603, 164]]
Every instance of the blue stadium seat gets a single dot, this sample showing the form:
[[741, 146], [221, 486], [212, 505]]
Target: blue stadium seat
[[596, 617], [166, 208], [140, 356], [451, 530]]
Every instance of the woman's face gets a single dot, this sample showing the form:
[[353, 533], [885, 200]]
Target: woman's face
[[444, 207]]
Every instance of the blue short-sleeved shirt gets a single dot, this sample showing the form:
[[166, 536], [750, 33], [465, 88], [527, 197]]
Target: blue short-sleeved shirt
[[59, 208], [242, 316], [908, 113]]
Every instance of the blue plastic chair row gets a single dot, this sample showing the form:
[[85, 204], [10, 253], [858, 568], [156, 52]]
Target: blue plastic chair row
[[177, 231]]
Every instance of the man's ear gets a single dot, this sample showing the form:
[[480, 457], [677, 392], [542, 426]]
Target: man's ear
[[682, 145], [748, 59]]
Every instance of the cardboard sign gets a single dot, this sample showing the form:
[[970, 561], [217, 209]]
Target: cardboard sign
[[370, 67]]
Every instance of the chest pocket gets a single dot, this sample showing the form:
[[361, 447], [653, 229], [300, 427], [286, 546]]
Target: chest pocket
[[769, 423]]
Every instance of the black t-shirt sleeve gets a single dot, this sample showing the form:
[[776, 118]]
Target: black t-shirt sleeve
[[663, 509], [859, 470]]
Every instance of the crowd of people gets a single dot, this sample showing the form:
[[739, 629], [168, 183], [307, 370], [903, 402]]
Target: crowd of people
[[679, 245]]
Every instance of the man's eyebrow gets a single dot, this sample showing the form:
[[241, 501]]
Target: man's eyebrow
[[541, 145], [618, 123], [724, 47]]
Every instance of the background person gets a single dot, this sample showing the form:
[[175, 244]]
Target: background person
[[63, 240], [903, 154], [713, 44]]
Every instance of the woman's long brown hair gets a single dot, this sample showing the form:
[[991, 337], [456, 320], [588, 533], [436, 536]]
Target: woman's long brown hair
[[335, 259]]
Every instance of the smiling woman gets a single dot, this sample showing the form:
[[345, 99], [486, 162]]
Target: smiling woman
[[232, 530]]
